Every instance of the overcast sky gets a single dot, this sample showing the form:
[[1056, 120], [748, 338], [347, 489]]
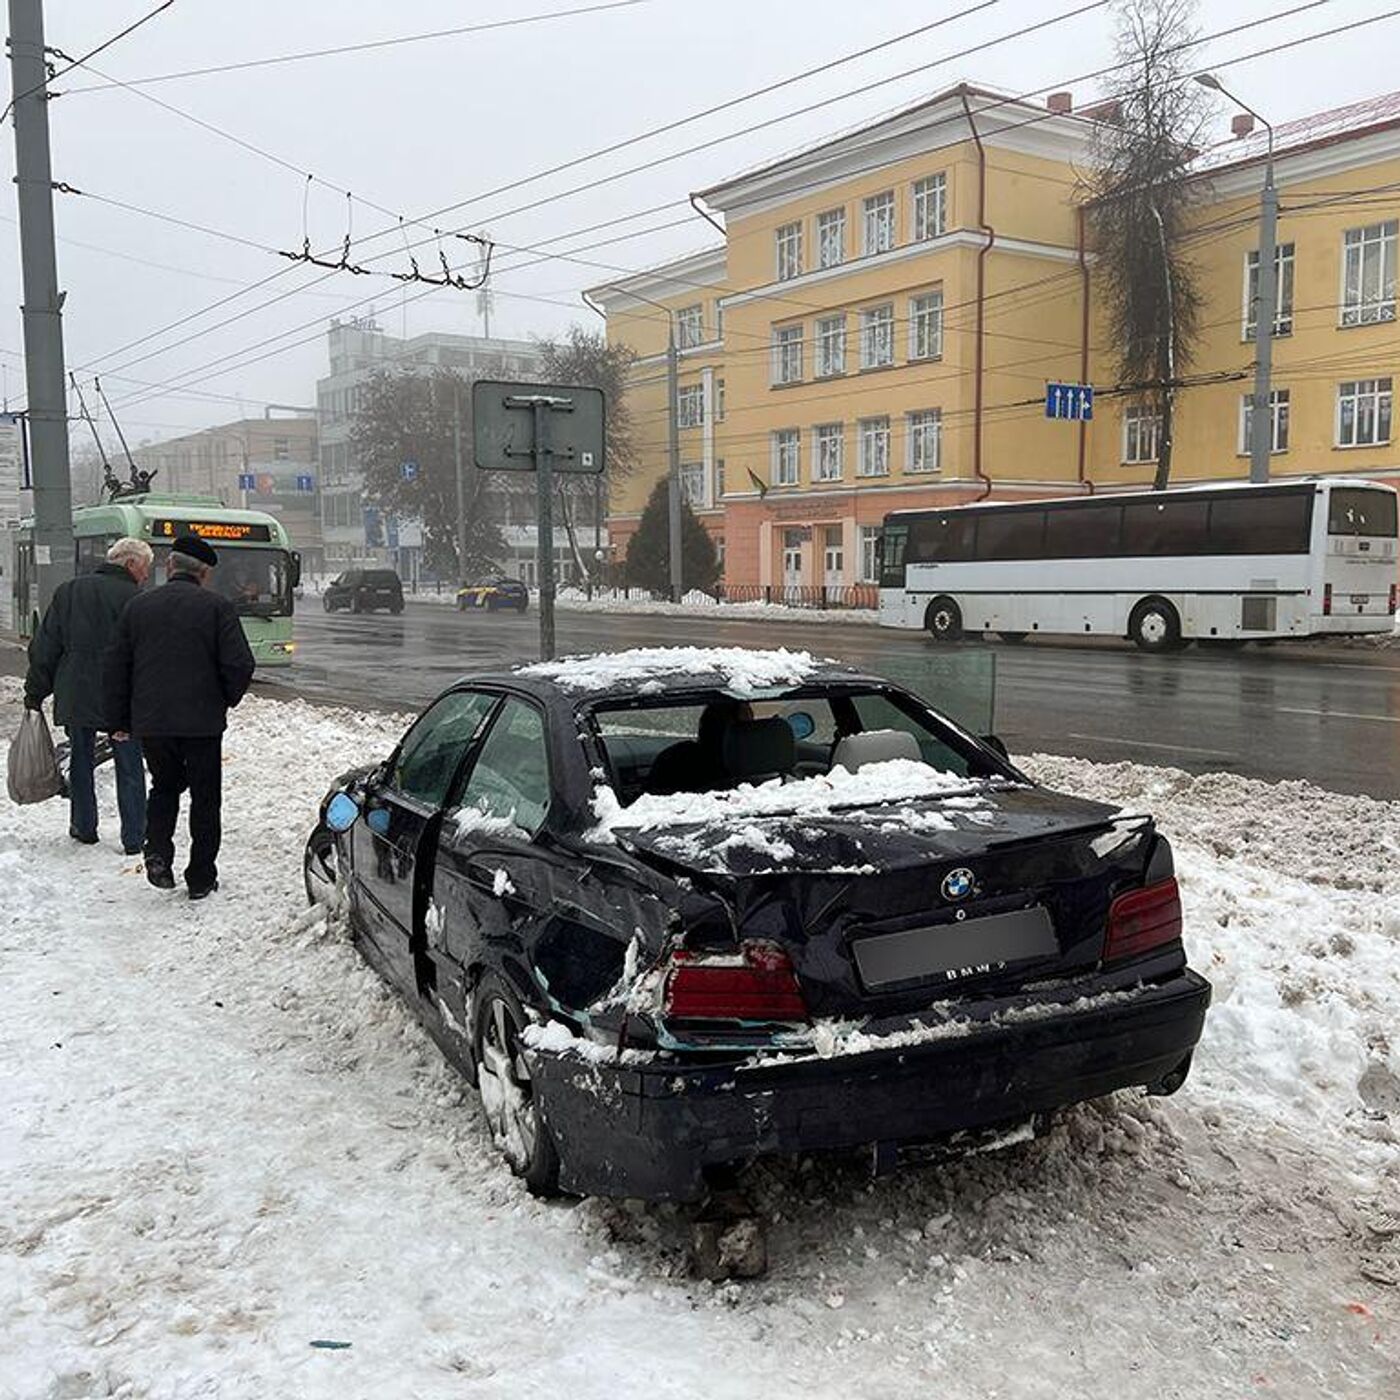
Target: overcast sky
[[419, 126]]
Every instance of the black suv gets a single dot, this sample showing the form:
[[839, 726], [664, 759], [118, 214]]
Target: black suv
[[363, 590]]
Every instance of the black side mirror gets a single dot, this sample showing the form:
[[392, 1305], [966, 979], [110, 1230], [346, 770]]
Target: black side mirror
[[296, 569], [995, 744]]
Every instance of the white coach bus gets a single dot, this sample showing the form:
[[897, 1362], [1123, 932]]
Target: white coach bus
[[1227, 563]]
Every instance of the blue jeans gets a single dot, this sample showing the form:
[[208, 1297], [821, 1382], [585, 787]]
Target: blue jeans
[[131, 787]]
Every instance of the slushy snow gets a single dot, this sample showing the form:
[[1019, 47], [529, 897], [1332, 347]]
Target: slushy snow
[[742, 671], [223, 1141]]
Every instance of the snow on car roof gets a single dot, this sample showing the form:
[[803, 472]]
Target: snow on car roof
[[741, 671], [896, 780]]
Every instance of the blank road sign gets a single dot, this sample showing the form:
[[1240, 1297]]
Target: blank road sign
[[503, 426]]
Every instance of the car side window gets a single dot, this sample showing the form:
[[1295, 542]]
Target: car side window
[[510, 778], [879, 712], [434, 747]]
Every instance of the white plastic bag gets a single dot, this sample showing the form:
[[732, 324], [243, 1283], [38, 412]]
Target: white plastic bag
[[33, 771]]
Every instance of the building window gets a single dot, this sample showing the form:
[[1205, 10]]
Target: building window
[[930, 207], [719, 478], [868, 537], [1368, 274], [789, 245], [693, 483], [1283, 291], [830, 350], [877, 337], [878, 226], [828, 442], [1278, 413], [874, 447], [719, 553], [690, 327], [833, 555], [787, 354], [925, 440], [719, 401], [690, 406], [1142, 428], [787, 453], [831, 238], [281, 449], [1363, 413], [926, 326]]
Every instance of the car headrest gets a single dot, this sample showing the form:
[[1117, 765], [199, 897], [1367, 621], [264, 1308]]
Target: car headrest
[[875, 746], [759, 748]]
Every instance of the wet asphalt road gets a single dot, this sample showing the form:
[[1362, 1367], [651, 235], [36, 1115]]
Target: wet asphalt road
[[1328, 714]]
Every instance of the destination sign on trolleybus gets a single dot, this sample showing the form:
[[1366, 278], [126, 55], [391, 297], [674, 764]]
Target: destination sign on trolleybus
[[227, 530]]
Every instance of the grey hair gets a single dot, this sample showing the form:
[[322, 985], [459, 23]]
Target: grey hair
[[183, 564], [129, 551]]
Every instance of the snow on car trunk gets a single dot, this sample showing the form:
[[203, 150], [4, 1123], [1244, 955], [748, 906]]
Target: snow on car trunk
[[224, 1141]]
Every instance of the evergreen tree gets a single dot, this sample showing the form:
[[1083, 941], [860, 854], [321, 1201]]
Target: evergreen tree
[[649, 552]]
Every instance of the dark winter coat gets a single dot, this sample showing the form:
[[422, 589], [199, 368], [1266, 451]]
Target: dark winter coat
[[180, 661], [67, 652]]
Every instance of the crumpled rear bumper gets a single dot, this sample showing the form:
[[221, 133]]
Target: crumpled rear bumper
[[650, 1130]]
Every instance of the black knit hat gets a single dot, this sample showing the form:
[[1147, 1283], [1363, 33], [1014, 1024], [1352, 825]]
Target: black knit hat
[[192, 547]]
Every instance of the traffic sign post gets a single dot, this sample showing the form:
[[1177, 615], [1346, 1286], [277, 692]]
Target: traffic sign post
[[247, 481], [306, 483], [544, 428], [1074, 402]]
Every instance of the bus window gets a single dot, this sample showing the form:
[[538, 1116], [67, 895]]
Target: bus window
[[1010, 534], [1082, 532], [1165, 527], [892, 544], [92, 551], [1356, 511], [943, 539], [1259, 523]]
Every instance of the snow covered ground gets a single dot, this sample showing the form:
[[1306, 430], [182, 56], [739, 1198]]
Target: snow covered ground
[[221, 1142]]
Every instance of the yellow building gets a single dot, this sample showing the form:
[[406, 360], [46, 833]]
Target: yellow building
[[879, 327]]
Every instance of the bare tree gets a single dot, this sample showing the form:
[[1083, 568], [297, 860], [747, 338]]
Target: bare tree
[[1141, 206]]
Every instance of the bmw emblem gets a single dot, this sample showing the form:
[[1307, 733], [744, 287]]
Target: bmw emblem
[[958, 884]]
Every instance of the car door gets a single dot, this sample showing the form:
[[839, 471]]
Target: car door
[[493, 877], [403, 805]]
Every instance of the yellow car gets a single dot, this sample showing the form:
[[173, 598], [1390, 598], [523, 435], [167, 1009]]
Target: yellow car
[[494, 595]]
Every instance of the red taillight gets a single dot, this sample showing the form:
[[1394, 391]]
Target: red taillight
[[756, 983], [1327, 600], [1142, 920], [1391, 608]]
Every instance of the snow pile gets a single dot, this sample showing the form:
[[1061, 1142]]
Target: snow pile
[[616, 601], [225, 1141], [895, 780], [742, 672]]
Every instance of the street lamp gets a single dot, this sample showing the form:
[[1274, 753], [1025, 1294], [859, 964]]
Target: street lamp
[[673, 494], [1261, 429]]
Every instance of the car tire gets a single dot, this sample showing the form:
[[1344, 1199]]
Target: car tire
[[327, 603], [356, 606], [503, 1080], [943, 620], [523, 607], [322, 875], [1155, 625], [396, 609]]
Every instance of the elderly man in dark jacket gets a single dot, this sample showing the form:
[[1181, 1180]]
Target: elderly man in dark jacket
[[179, 663], [65, 661]]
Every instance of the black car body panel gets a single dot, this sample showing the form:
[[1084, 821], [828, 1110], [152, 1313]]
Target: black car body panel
[[364, 590], [581, 923]]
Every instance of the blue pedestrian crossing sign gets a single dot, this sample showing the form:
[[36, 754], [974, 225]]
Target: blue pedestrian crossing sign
[[409, 471], [306, 483], [247, 481], [1072, 401]]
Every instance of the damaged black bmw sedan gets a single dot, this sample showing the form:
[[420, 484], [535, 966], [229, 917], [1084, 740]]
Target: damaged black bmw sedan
[[674, 910]]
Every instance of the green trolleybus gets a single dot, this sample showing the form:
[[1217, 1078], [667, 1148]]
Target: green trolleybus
[[257, 571]]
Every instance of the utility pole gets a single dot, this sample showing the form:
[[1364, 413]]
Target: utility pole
[[461, 488], [1261, 430], [673, 502], [43, 303]]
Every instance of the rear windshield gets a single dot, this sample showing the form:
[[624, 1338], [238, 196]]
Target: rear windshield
[[1356, 511], [713, 743], [381, 578]]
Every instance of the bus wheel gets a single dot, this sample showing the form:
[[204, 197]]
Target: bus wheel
[[1013, 637], [1154, 625], [944, 620]]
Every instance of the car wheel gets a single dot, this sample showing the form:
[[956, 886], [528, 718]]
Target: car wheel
[[507, 1097], [1155, 626], [356, 606], [396, 609], [461, 605], [321, 872], [944, 620], [327, 603], [523, 606]]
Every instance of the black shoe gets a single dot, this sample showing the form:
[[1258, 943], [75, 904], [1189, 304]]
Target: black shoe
[[131, 850], [81, 839], [158, 873], [203, 891]]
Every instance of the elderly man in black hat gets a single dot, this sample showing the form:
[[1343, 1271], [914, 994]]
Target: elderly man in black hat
[[179, 663]]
